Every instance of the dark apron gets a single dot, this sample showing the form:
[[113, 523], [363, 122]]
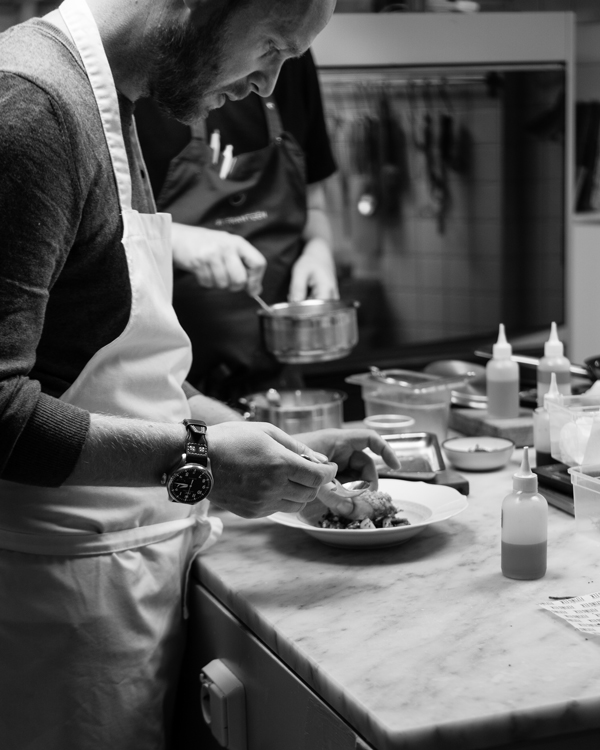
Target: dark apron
[[263, 200]]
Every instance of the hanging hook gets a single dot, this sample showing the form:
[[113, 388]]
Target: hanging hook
[[445, 95]]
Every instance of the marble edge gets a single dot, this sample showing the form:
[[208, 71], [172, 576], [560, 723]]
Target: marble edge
[[487, 730]]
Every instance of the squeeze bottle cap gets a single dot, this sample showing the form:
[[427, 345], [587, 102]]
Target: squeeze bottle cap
[[553, 347], [553, 394], [525, 480], [502, 349]]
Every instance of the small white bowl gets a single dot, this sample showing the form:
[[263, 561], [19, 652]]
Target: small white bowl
[[389, 424], [483, 453]]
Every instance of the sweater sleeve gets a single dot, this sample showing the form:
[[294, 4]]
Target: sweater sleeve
[[41, 437]]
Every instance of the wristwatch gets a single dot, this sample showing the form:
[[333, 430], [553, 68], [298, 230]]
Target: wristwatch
[[191, 479]]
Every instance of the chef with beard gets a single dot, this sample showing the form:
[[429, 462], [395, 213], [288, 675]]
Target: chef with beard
[[99, 429]]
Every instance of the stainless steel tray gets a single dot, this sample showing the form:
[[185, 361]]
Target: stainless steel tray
[[419, 455]]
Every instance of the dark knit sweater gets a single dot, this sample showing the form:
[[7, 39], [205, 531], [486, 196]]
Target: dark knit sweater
[[64, 284]]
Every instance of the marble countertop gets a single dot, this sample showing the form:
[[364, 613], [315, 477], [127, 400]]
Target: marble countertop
[[424, 645]]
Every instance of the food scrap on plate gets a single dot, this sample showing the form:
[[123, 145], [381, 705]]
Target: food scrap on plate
[[371, 510]]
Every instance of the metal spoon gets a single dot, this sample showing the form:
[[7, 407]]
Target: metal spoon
[[336, 486], [262, 303], [359, 488]]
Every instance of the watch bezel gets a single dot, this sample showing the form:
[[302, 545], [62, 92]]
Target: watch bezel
[[186, 466]]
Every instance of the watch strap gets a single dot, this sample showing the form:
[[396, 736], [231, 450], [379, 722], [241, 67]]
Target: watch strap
[[196, 445]]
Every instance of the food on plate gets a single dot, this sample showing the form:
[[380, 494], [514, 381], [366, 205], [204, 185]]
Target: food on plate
[[371, 510]]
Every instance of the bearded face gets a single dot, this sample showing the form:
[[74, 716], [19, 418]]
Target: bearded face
[[187, 64], [198, 63]]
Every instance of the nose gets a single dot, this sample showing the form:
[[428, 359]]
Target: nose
[[263, 81]]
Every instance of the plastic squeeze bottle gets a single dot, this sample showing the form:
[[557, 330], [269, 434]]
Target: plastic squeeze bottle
[[502, 380], [524, 527], [541, 426], [553, 361]]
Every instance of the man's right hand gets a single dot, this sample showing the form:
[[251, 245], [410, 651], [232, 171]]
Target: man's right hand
[[219, 260], [258, 470]]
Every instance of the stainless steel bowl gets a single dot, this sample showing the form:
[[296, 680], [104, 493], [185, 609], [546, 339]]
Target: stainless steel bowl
[[310, 331]]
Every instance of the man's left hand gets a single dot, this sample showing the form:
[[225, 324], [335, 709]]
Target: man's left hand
[[313, 274]]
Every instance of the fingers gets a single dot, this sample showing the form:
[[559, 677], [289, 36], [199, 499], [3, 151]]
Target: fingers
[[312, 473], [340, 506], [258, 469], [230, 262], [362, 466], [323, 284], [382, 448], [255, 264], [298, 290]]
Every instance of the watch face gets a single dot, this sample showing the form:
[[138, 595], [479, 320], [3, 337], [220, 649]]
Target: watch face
[[190, 484]]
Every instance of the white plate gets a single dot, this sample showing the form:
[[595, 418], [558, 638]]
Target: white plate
[[424, 504]]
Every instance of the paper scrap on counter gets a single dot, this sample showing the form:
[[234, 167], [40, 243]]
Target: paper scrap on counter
[[582, 612]]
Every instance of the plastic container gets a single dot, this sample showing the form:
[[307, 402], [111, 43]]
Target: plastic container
[[389, 424], [413, 394], [586, 494], [541, 426], [571, 422], [502, 380], [553, 361], [524, 527]]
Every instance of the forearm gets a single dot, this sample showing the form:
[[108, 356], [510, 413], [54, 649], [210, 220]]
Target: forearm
[[318, 226], [317, 234], [212, 411], [127, 452], [134, 452]]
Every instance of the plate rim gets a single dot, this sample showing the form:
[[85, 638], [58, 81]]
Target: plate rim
[[291, 520]]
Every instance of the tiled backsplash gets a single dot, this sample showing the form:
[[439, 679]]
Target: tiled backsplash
[[452, 252]]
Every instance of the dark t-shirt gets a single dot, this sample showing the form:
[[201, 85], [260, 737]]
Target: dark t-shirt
[[243, 125]]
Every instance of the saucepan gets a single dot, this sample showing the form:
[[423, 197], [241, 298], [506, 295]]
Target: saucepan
[[313, 330], [472, 392], [301, 410]]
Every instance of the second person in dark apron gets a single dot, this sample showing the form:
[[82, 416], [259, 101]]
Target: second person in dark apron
[[272, 197]]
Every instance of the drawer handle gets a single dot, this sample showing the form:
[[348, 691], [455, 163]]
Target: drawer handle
[[223, 704]]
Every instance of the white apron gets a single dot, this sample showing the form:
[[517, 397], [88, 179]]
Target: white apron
[[92, 580]]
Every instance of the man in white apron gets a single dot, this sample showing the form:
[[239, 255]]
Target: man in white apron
[[93, 557]]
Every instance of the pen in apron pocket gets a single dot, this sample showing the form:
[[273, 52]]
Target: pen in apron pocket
[[227, 162], [215, 145]]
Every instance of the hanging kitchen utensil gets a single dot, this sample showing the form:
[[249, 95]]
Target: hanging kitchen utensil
[[424, 140], [446, 149], [390, 177], [369, 201]]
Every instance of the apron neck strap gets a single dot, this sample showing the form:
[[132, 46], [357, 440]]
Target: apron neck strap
[[274, 126], [82, 27]]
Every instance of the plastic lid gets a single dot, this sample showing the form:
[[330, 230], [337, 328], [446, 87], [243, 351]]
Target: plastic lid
[[553, 347], [552, 394], [502, 349], [525, 480]]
